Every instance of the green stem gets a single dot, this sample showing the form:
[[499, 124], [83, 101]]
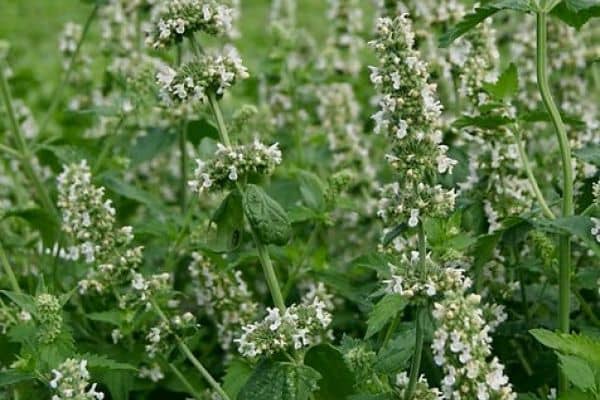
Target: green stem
[[564, 258], [9, 271], [23, 148], [269, 272], [531, 177], [183, 167], [191, 357], [57, 93], [420, 335], [416, 361], [185, 382], [263, 253]]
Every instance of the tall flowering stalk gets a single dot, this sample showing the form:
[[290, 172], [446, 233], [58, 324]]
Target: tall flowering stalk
[[410, 115]]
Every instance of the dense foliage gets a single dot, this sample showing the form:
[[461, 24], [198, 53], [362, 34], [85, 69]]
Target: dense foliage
[[402, 202]]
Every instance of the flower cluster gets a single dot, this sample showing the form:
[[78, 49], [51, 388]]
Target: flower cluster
[[224, 296], [231, 164], [87, 216], [159, 337], [71, 381], [213, 73], [69, 38], [596, 192], [299, 326], [179, 18], [410, 202], [49, 315], [462, 347], [422, 389], [90, 220], [413, 283], [344, 42], [410, 115]]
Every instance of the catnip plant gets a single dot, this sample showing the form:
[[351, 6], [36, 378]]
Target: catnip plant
[[300, 200]]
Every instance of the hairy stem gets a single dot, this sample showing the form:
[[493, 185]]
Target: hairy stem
[[57, 93], [185, 382], [420, 336], [9, 271], [26, 157], [191, 357], [564, 258], [531, 177]]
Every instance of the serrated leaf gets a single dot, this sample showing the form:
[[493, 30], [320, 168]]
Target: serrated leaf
[[575, 394], [238, 373], [507, 84], [337, 379], [153, 143], [578, 372], [23, 300], [577, 13], [589, 154], [119, 382], [312, 190], [482, 121], [113, 317], [131, 192], [268, 219], [473, 19], [385, 310], [280, 381], [11, 376], [394, 356], [577, 345], [40, 220], [578, 225], [101, 362]]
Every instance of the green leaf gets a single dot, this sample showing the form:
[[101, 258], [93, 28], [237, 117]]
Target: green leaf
[[40, 220], [131, 192], [575, 394], [312, 190], [394, 356], [581, 346], [506, 86], [577, 225], [200, 129], [238, 373], [280, 381], [153, 143], [267, 218], [103, 363], [578, 372], [386, 309], [394, 233], [118, 382], [470, 21], [11, 376], [337, 379], [482, 121], [229, 219], [589, 154], [113, 317], [577, 13], [25, 301]]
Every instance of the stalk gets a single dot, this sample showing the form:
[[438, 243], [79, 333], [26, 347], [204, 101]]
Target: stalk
[[57, 93], [26, 157], [183, 161], [531, 177], [9, 271], [263, 252], [564, 249], [420, 335], [191, 357]]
